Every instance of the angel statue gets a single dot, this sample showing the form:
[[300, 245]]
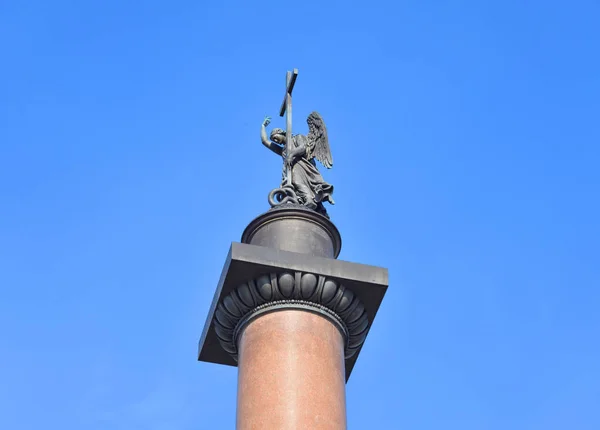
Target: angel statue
[[301, 181]]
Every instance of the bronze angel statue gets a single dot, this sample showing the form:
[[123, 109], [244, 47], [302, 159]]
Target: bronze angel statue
[[301, 182]]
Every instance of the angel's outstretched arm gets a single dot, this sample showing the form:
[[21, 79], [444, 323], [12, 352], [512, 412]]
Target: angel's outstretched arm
[[265, 140]]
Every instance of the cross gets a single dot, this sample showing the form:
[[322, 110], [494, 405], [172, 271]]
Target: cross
[[286, 108]]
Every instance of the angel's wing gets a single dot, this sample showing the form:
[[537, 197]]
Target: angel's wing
[[318, 143]]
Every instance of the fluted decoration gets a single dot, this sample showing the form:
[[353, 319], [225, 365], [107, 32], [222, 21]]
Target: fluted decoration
[[291, 290]]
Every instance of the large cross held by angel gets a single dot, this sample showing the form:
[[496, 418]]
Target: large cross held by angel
[[301, 183]]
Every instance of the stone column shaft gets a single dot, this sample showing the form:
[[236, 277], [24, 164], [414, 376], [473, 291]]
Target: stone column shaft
[[291, 373]]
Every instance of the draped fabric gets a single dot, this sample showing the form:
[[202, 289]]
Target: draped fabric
[[306, 179]]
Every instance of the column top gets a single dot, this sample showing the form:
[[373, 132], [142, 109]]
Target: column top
[[297, 229]]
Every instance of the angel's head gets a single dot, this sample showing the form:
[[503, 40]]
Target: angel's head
[[278, 135]]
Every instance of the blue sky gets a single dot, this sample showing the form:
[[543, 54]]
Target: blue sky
[[465, 143]]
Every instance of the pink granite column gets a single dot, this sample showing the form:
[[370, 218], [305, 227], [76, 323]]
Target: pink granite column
[[291, 373]]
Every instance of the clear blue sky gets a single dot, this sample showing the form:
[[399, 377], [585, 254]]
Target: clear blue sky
[[466, 146]]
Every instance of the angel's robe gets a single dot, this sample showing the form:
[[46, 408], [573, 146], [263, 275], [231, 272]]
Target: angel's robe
[[306, 179]]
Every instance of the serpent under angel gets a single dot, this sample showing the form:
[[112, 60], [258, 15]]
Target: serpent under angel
[[302, 182]]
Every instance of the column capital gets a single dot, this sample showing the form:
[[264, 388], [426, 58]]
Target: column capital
[[257, 280], [303, 291]]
